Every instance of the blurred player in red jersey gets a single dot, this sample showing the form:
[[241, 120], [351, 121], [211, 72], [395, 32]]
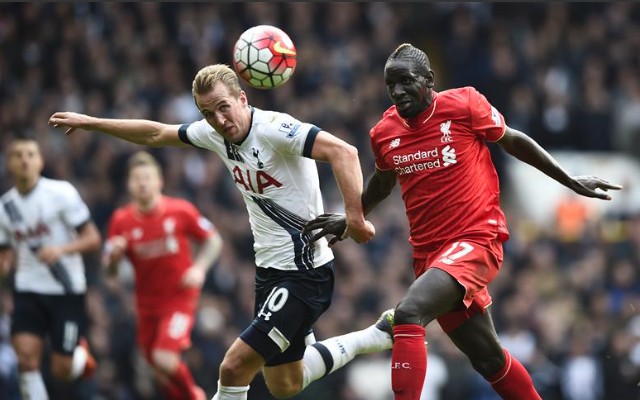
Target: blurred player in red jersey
[[435, 145], [154, 233]]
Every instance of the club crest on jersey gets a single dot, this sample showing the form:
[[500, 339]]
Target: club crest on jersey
[[446, 132], [256, 154], [394, 143], [290, 128]]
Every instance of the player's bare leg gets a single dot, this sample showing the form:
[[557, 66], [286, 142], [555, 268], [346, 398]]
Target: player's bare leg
[[238, 368], [28, 348], [477, 338], [242, 363]]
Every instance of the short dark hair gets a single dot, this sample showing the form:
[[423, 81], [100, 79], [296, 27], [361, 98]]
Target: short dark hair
[[408, 52]]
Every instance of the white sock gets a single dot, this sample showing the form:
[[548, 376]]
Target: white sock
[[32, 386], [324, 357], [78, 362], [231, 392]]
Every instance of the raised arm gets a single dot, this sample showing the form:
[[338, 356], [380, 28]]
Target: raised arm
[[139, 131], [345, 164], [524, 148]]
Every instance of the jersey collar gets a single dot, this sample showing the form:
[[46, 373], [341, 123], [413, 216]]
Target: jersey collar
[[424, 116]]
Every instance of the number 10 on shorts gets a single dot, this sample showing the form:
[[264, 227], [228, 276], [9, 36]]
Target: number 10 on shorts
[[274, 302]]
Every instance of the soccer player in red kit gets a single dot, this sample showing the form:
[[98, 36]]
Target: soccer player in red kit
[[435, 145], [154, 232]]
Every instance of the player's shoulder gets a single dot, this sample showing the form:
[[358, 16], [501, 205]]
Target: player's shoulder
[[55, 189], [8, 195], [457, 96], [269, 124], [270, 119], [177, 204], [389, 116], [124, 212]]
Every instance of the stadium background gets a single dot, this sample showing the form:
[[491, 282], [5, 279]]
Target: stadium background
[[566, 302]]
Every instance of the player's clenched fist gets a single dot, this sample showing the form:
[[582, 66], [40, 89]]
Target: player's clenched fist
[[360, 233]]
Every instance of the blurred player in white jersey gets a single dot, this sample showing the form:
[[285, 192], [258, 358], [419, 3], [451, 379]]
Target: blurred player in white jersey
[[45, 227], [272, 159]]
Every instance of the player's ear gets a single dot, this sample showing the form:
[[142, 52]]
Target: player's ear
[[430, 79], [243, 98]]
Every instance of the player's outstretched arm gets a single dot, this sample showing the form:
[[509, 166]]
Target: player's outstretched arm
[[345, 164], [139, 131], [528, 150]]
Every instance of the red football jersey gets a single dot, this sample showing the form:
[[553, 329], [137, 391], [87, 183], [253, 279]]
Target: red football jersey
[[449, 184], [160, 251]]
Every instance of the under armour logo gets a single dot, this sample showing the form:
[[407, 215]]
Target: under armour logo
[[446, 133]]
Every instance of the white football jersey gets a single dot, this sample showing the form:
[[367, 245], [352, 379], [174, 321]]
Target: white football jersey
[[46, 216], [279, 182]]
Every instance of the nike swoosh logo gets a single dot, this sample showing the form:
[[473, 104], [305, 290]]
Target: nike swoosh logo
[[283, 50]]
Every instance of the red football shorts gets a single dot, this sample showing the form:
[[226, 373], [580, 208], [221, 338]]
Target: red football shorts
[[474, 264], [169, 331]]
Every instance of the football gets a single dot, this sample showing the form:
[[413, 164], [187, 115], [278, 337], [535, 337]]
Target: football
[[264, 56]]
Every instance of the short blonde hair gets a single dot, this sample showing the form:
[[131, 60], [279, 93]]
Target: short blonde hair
[[210, 75], [142, 158]]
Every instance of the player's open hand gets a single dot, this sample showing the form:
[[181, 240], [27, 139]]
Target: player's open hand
[[69, 120], [592, 186], [328, 224], [336, 225]]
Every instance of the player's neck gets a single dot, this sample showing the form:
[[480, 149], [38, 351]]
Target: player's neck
[[148, 207], [26, 185]]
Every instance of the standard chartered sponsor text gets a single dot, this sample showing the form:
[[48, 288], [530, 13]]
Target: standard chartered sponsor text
[[430, 159]]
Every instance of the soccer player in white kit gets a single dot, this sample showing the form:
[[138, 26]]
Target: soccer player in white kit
[[272, 159], [45, 226]]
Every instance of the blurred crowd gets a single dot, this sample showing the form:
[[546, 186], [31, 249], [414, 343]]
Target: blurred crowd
[[566, 302]]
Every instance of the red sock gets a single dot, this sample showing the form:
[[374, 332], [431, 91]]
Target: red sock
[[181, 385], [513, 382], [408, 361]]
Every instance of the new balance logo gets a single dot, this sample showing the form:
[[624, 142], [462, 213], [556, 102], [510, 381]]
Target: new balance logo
[[446, 133], [394, 143]]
